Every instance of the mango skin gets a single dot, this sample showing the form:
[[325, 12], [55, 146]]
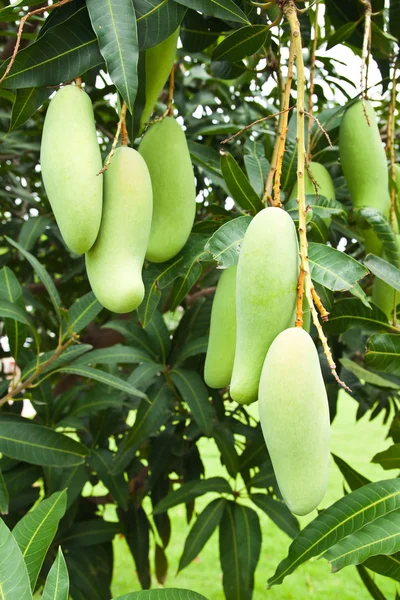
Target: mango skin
[[70, 160], [364, 165], [324, 183], [165, 150], [159, 61], [294, 416], [266, 293], [114, 264], [222, 340]]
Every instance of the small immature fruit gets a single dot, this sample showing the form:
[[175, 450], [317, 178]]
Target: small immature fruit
[[114, 264], [364, 165], [70, 160], [165, 150], [222, 341], [159, 62], [294, 416], [266, 292]]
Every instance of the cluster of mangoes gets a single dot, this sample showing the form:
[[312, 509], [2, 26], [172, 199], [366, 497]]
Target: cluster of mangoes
[[144, 207]]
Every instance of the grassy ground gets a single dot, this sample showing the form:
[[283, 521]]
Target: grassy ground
[[356, 443]]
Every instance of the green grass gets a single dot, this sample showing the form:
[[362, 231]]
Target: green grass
[[356, 443]]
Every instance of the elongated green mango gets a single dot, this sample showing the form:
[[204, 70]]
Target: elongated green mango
[[364, 165], [165, 150], [222, 341], [114, 264], [267, 275], [70, 160], [159, 61], [294, 416]]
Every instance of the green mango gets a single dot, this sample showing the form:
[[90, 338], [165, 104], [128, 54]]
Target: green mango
[[70, 161], [222, 340], [159, 61], [364, 166], [165, 150], [294, 416], [114, 264], [324, 183], [266, 294]]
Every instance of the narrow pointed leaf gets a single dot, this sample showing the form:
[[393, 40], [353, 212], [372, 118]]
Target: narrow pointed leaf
[[241, 43], [257, 167], [89, 533], [69, 355], [222, 9], [163, 594], [114, 355], [239, 185], [11, 291], [225, 441], [156, 20], [101, 460], [14, 579], [278, 512], [31, 230], [334, 269], [103, 377], [136, 529], [4, 498], [57, 582], [351, 312], [383, 353], [384, 270], [389, 458], [81, 313], [384, 231], [354, 479], [224, 245], [192, 489], [26, 103], [389, 566], [193, 390], [370, 584], [368, 376]]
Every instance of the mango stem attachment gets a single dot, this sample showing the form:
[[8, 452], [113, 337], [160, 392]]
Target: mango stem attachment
[[365, 55], [116, 138], [312, 79]]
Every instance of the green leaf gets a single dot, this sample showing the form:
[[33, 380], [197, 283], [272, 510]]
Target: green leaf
[[192, 348], [8, 310], [239, 185], [209, 160], [389, 566], [202, 530], [383, 353], [66, 357], [257, 167], [82, 312], [159, 336], [4, 498], [11, 291], [354, 479], [103, 377], [370, 584], [341, 34], [383, 230], [239, 547], [384, 270], [382, 536], [351, 312], [194, 392], [225, 441], [388, 459], [57, 582], [89, 533], [191, 490], [14, 579], [113, 355], [345, 517], [278, 512], [197, 33], [36, 530], [144, 375], [163, 594], [136, 529], [368, 376], [241, 43], [222, 9], [225, 243], [156, 20], [29, 442], [31, 230], [64, 52], [41, 273], [101, 460], [114, 22], [134, 335]]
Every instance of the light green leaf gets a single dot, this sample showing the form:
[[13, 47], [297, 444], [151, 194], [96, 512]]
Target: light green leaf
[[383, 230], [368, 376], [103, 377], [82, 312], [241, 43], [14, 579], [225, 243], [117, 354], [57, 582], [334, 269], [32, 229], [239, 185], [383, 353], [389, 458], [222, 9], [162, 594], [351, 312], [384, 270]]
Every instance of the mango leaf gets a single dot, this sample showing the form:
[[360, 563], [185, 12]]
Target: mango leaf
[[351, 312], [239, 548], [225, 441], [209, 160], [136, 529], [239, 185], [159, 336], [114, 22], [36, 530], [388, 459], [355, 480], [383, 230], [197, 33], [191, 490], [4, 498], [257, 166], [89, 533], [144, 375], [345, 517], [103, 377], [368, 376], [14, 579], [383, 353], [222, 9], [134, 335], [341, 34], [192, 348], [66, 51], [385, 565], [193, 390], [11, 291], [32, 229], [370, 584], [101, 460], [278, 512], [202, 530], [384, 270], [156, 20], [382, 536], [66, 357], [57, 582], [82, 312], [29, 442], [163, 594], [225, 243], [113, 355], [241, 43]]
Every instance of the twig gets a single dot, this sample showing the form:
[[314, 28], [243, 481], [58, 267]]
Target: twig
[[312, 77], [204, 293], [365, 55], [37, 11], [255, 123], [115, 142], [390, 146], [320, 126]]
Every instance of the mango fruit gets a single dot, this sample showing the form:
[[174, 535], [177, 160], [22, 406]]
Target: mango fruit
[[364, 165], [222, 340], [165, 150], [159, 61], [70, 160], [266, 293], [294, 416], [114, 264], [324, 183]]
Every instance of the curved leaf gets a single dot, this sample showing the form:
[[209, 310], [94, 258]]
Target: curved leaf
[[222, 9], [164, 594], [113, 355], [14, 579], [192, 489], [368, 376], [241, 43], [384, 270], [156, 20], [383, 230], [32, 229], [57, 582], [383, 353], [278, 512], [225, 243], [26, 103], [385, 565], [389, 458], [81, 313], [193, 390], [103, 377], [11, 291], [334, 269], [351, 312], [239, 185]]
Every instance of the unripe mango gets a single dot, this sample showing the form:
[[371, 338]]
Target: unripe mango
[[165, 150], [70, 161], [294, 416], [159, 61], [364, 165], [222, 340], [323, 180], [114, 264], [266, 292]]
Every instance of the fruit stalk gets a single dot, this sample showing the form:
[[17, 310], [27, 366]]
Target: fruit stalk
[[312, 75], [390, 146], [121, 127], [365, 54]]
